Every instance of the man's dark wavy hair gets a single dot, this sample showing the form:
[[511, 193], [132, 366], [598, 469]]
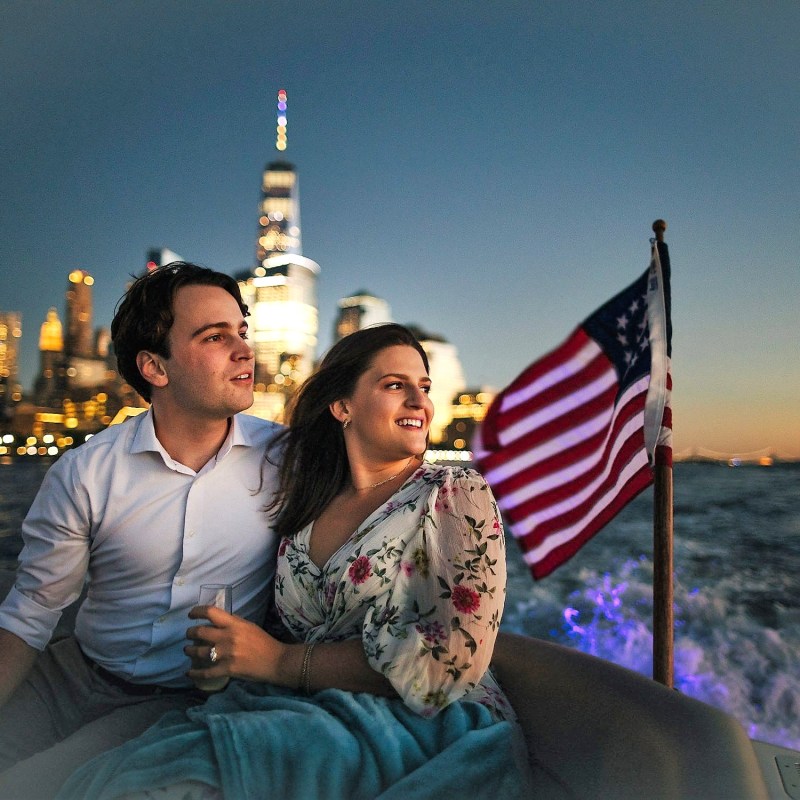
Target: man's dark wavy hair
[[144, 315]]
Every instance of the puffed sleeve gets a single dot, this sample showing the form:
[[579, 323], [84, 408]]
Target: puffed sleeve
[[433, 633]]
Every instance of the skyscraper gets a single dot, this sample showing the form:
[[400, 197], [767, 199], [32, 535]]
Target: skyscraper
[[158, 256], [281, 290], [279, 218], [279, 211], [75, 375], [83, 368], [80, 336], [10, 390], [447, 379], [51, 334], [360, 310], [50, 386]]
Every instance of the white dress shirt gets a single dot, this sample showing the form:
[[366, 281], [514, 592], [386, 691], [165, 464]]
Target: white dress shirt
[[145, 532]]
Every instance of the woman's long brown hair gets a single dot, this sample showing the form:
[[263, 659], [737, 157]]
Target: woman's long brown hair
[[311, 451]]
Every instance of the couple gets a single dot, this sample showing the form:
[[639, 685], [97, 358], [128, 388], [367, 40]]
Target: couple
[[390, 577]]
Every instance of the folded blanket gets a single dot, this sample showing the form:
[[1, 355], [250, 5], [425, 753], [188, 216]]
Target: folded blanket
[[257, 741]]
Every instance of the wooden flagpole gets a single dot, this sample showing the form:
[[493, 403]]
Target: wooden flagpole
[[663, 618]]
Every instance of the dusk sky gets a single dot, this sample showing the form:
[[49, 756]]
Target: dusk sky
[[492, 170]]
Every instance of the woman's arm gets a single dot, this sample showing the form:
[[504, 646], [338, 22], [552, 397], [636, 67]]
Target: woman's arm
[[246, 651], [433, 633], [429, 639]]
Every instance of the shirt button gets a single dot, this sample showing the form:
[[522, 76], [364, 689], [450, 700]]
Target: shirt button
[[190, 534], [180, 581]]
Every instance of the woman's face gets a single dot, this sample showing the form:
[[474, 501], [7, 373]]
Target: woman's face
[[390, 411]]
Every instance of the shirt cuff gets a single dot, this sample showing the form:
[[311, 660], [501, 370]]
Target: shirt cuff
[[33, 623]]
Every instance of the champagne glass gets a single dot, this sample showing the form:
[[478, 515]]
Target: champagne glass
[[219, 595]]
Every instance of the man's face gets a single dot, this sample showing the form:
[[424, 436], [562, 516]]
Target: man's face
[[210, 367]]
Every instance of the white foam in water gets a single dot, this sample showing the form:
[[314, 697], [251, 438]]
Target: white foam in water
[[737, 604]]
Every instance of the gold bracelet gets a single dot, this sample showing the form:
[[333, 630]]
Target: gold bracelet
[[305, 670]]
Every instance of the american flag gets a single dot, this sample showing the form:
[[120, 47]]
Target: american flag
[[575, 437]]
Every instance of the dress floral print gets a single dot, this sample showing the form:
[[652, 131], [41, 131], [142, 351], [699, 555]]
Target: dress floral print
[[421, 582]]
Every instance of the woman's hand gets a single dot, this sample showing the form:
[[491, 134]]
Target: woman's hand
[[243, 650], [246, 651]]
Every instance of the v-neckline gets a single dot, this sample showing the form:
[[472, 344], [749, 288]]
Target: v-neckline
[[307, 544]]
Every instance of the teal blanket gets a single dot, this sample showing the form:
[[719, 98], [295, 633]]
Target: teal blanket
[[257, 741]]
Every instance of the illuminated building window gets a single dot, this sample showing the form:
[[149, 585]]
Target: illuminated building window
[[277, 205], [284, 179]]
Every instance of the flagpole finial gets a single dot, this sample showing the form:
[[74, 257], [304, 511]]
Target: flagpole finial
[[659, 226]]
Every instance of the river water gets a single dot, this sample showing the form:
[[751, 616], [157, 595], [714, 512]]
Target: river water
[[737, 588]]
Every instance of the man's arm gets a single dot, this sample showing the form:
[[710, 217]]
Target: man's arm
[[16, 660], [52, 567]]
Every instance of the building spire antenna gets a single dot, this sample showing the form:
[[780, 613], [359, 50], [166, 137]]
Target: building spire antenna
[[280, 141]]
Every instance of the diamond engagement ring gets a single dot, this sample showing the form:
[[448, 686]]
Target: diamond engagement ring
[[212, 654]]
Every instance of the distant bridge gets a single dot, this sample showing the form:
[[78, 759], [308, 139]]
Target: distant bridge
[[766, 456]]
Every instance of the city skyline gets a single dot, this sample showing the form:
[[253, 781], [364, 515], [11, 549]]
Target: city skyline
[[492, 174]]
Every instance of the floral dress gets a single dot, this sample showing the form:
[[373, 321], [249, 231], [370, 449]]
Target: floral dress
[[422, 582]]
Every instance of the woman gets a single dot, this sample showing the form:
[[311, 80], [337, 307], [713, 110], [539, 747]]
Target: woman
[[391, 576]]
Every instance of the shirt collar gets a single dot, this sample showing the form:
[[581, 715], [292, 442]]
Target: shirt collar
[[230, 440], [146, 441]]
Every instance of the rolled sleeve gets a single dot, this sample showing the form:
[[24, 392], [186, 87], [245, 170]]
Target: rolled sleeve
[[54, 559], [29, 620]]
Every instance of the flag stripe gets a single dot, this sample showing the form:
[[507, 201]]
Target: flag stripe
[[582, 457], [567, 401], [568, 358], [571, 481], [575, 524], [593, 371], [569, 500], [575, 420], [553, 441], [571, 510], [573, 439], [558, 555]]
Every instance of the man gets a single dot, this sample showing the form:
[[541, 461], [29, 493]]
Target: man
[[145, 512]]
